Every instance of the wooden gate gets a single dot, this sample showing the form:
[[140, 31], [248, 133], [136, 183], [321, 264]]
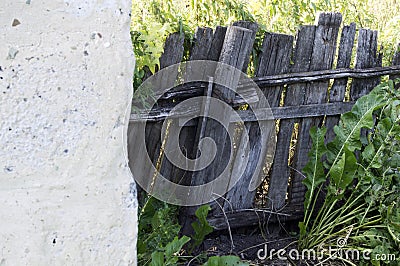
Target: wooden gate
[[308, 82]]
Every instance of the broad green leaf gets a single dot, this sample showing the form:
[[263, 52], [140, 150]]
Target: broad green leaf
[[349, 129], [372, 237], [157, 259], [201, 226], [342, 173], [314, 170], [172, 248]]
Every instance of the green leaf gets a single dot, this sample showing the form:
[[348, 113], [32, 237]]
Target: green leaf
[[314, 170], [225, 261], [201, 227], [342, 173], [174, 247], [157, 259], [349, 129]]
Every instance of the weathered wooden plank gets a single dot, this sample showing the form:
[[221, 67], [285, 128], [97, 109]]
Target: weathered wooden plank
[[395, 62], [313, 76], [322, 58], [338, 89], [188, 136], [202, 44], [217, 43], [253, 27], [366, 57], [234, 51], [280, 171], [199, 51], [253, 217], [284, 112], [274, 59], [195, 89], [173, 52]]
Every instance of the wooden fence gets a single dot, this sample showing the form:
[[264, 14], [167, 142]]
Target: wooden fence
[[308, 82]]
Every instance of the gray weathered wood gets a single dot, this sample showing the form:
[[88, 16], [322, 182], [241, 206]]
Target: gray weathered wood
[[202, 43], [395, 62], [280, 171], [339, 86], [217, 43], [199, 51], [322, 58], [366, 58], [173, 52], [284, 112], [253, 27], [274, 59], [234, 53], [191, 90], [188, 136], [244, 218]]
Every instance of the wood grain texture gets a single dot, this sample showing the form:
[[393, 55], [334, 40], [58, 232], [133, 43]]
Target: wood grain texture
[[253, 27], [200, 49], [173, 52], [284, 112], [322, 58], [339, 86], [234, 52], [244, 218], [274, 59], [367, 57], [295, 94]]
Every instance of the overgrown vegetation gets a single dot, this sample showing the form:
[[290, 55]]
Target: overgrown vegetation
[[355, 177], [361, 205], [158, 241], [153, 21]]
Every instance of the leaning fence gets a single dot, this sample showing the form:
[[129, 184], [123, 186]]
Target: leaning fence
[[307, 80]]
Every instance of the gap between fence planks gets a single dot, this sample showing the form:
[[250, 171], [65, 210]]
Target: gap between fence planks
[[308, 74]]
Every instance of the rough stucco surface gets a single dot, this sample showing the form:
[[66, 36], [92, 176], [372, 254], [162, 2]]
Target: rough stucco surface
[[65, 84]]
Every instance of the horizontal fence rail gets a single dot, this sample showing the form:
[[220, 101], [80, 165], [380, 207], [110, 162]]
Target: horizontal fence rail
[[307, 81]]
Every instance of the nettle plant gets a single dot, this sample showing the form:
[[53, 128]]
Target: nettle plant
[[358, 174]]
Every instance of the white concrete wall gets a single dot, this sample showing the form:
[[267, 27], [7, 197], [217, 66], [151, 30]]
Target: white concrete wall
[[65, 87]]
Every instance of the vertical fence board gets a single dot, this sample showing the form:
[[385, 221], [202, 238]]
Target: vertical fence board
[[395, 62], [322, 58], [234, 53], [274, 59], [366, 57], [339, 86], [253, 27], [199, 51], [295, 95], [217, 43], [173, 52], [202, 44]]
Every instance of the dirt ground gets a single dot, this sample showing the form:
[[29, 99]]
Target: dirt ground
[[247, 243]]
